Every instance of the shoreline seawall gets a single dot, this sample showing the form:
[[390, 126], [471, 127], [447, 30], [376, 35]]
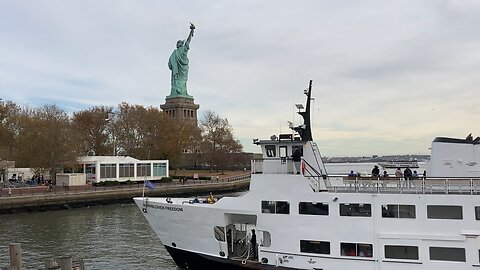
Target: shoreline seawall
[[57, 201]]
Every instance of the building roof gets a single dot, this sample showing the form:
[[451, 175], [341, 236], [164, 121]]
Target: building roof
[[107, 159]]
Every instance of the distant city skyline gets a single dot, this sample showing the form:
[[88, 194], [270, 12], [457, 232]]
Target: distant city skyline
[[388, 77]]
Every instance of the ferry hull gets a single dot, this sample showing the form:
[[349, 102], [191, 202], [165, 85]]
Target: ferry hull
[[191, 260]]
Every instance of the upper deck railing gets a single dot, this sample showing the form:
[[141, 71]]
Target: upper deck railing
[[369, 184], [451, 185]]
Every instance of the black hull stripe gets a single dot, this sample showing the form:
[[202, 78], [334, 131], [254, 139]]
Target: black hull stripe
[[194, 261]]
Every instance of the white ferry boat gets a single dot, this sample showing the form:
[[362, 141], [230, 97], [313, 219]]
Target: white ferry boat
[[393, 164], [296, 216]]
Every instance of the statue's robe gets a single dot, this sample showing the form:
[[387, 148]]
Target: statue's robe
[[178, 64]]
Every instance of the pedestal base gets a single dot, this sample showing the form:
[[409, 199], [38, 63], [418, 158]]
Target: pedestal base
[[181, 108]]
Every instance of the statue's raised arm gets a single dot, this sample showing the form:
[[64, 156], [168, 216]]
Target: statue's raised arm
[[192, 28]]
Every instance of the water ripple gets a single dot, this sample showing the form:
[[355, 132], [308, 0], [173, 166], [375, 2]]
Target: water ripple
[[106, 237]]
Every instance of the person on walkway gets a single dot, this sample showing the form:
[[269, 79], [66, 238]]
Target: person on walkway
[[9, 191]]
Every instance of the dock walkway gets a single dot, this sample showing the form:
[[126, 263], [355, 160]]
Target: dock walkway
[[40, 199]]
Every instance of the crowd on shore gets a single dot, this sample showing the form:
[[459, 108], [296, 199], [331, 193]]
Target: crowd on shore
[[39, 185]]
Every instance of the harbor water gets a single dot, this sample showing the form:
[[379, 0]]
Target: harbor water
[[106, 237]]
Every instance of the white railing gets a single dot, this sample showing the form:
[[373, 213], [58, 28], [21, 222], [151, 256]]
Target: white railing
[[342, 183]]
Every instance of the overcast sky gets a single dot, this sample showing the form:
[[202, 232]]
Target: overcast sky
[[388, 76]]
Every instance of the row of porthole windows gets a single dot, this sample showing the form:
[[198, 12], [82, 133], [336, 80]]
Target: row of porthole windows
[[365, 210], [453, 254]]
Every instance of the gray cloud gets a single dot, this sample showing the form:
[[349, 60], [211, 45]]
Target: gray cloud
[[391, 74]]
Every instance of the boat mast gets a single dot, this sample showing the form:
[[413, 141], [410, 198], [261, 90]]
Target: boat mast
[[305, 130]]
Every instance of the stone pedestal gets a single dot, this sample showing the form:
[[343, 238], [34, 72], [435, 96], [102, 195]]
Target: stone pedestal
[[181, 109]]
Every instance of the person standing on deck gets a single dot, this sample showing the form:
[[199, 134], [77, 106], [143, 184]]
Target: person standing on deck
[[398, 173], [297, 159], [253, 242], [375, 171], [407, 173]]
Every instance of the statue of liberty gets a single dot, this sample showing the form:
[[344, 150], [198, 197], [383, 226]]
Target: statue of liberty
[[178, 64]]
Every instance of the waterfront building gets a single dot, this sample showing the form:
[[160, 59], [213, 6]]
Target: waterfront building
[[122, 168], [4, 165]]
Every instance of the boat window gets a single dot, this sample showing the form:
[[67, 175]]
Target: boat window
[[309, 208], [477, 212], [268, 206], [219, 233], [401, 252], [319, 247], [266, 240], [447, 254], [444, 212], [356, 249], [270, 150], [398, 211], [283, 208], [275, 207], [282, 151], [356, 209]]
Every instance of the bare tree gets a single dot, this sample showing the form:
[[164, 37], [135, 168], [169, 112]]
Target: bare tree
[[46, 139], [9, 113], [92, 126], [156, 127], [218, 140]]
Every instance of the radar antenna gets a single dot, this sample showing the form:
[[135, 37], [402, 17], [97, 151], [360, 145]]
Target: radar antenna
[[305, 130]]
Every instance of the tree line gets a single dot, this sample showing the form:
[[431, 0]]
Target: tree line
[[48, 139]]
